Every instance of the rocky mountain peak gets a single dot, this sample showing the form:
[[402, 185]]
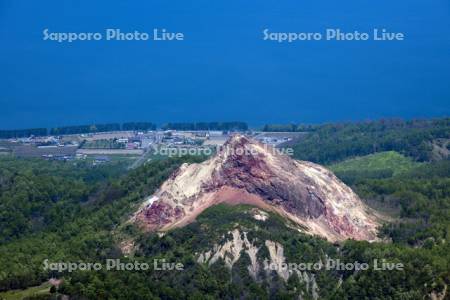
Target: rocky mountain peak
[[245, 171]]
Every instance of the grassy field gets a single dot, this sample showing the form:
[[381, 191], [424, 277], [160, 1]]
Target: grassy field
[[43, 289], [389, 160], [378, 165], [103, 144]]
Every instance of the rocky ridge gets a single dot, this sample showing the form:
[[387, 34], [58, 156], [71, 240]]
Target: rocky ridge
[[248, 172]]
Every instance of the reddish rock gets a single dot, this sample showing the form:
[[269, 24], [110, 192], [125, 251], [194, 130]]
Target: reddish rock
[[246, 171]]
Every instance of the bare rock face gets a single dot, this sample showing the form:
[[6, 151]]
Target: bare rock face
[[231, 250], [248, 172]]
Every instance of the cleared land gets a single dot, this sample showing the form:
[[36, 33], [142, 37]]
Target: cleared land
[[32, 151], [41, 290], [384, 161], [110, 151]]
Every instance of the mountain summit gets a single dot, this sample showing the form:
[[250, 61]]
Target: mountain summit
[[245, 171]]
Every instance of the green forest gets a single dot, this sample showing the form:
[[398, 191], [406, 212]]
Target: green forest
[[223, 126], [423, 140], [127, 126], [73, 211]]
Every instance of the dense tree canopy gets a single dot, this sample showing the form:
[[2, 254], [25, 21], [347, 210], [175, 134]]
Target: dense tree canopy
[[224, 126], [20, 133], [75, 212], [328, 143]]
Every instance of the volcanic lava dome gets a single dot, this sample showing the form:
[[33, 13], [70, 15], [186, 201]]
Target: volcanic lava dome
[[245, 171]]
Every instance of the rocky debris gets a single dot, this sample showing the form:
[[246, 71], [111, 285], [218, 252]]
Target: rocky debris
[[127, 246], [439, 295], [55, 281], [248, 172], [259, 215], [231, 251], [277, 259]]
